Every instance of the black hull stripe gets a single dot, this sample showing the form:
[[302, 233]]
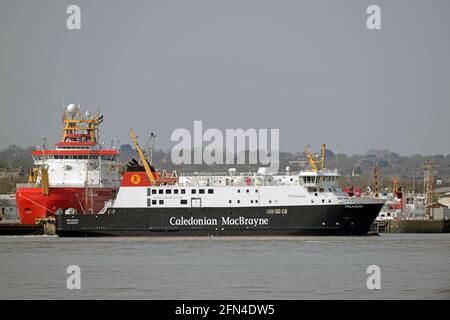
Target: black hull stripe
[[300, 220]]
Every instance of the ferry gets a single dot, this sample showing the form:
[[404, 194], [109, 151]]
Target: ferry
[[228, 204]]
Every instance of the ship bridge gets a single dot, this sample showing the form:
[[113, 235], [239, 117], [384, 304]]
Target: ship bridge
[[322, 178]]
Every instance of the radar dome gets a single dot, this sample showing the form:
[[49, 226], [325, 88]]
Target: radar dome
[[72, 109]]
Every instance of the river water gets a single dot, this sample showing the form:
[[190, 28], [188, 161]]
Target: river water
[[412, 266]]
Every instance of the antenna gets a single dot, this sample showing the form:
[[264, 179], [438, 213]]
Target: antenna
[[337, 157], [44, 147]]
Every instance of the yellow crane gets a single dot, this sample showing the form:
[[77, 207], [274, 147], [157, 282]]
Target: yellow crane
[[143, 160], [312, 161], [395, 184], [375, 178]]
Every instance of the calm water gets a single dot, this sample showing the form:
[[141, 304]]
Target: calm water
[[412, 266]]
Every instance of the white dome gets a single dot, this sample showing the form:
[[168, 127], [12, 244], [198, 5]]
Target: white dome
[[72, 109]]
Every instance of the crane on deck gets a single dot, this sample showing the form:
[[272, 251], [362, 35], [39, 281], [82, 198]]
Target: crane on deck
[[313, 161], [144, 161], [154, 177]]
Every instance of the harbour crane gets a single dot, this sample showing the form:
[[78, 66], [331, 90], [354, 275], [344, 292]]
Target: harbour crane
[[149, 148], [375, 178]]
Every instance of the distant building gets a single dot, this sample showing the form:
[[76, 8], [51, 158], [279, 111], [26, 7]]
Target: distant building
[[445, 199], [439, 211], [8, 208], [10, 174]]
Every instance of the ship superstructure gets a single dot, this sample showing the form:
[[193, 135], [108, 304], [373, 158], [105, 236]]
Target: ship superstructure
[[77, 174]]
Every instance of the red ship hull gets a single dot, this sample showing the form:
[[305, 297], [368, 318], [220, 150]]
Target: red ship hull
[[33, 205]]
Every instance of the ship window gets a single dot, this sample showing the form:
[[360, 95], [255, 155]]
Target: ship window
[[248, 191], [210, 191], [256, 201], [256, 190], [148, 202], [168, 191], [202, 191], [323, 200], [193, 191], [251, 201], [153, 201], [270, 201], [239, 201], [183, 201], [175, 191], [321, 190], [161, 201], [239, 191], [229, 201], [153, 191], [148, 192], [183, 191], [160, 191]]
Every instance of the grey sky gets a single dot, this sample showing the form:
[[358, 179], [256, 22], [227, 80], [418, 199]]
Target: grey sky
[[310, 68]]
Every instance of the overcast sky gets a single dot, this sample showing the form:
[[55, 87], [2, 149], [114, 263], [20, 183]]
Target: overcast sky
[[310, 68]]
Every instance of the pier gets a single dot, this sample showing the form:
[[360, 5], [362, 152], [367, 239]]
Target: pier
[[15, 228], [411, 226]]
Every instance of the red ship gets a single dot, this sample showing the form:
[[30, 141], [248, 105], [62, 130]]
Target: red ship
[[78, 174]]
